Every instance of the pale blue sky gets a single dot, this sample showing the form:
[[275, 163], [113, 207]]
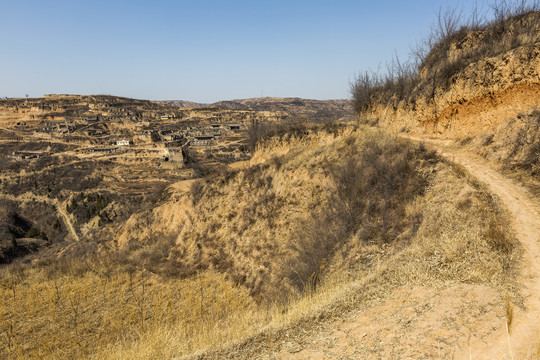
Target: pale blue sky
[[202, 50]]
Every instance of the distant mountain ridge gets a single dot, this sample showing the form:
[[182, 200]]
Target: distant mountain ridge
[[313, 110], [183, 103]]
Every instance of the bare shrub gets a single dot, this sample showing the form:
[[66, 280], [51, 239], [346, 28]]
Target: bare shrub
[[363, 90], [401, 78], [512, 24], [259, 132]]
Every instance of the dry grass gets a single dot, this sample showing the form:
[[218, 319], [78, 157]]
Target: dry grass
[[509, 319], [449, 247], [72, 315], [274, 226], [421, 224], [509, 314]]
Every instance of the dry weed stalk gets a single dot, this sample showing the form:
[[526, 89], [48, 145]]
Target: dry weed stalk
[[509, 319]]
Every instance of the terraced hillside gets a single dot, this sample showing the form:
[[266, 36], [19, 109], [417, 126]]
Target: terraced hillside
[[308, 109]]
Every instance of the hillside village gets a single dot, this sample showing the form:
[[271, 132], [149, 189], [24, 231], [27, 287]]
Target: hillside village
[[61, 148], [105, 125]]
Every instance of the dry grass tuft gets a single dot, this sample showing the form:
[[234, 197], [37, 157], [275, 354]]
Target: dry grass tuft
[[497, 236], [509, 313], [509, 319]]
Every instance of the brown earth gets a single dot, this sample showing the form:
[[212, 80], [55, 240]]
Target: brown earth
[[483, 114], [410, 323]]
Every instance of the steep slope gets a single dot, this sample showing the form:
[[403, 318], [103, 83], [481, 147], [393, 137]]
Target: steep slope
[[473, 80], [272, 226], [479, 84]]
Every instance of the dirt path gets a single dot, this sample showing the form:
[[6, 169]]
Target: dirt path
[[58, 205], [466, 306], [525, 221], [67, 220]]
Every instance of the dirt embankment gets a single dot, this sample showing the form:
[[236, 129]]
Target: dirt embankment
[[480, 88], [487, 94]]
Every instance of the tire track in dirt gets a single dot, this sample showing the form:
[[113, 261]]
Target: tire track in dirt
[[524, 215]]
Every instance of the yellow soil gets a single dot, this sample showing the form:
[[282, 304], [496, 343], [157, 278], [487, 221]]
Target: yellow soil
[[461, 322], [525, 221], [483, 114]]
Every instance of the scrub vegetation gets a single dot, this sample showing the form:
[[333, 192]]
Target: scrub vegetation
[[295, 237], [454, 43]]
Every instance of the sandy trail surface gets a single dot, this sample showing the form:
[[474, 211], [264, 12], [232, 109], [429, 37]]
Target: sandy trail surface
[[524, 213], [373, 334]]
